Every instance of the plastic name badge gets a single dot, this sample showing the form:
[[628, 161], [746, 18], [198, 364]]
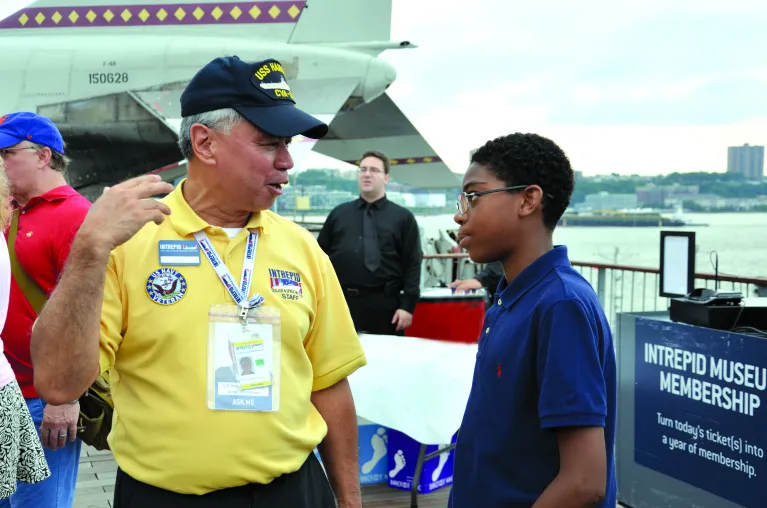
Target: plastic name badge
[[243, 359]]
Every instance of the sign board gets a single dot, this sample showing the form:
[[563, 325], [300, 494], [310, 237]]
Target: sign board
[[677, 263], [373, 439], [700, 408], [403, 457]]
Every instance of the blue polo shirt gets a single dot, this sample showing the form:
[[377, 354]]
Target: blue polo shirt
[[545, 360]]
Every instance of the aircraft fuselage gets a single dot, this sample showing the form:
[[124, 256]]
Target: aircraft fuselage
[[66, 68]]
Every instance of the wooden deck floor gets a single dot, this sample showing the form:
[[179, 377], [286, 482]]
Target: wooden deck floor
[[96, 478]]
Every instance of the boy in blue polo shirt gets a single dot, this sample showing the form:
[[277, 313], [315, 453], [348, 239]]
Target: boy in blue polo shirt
[[539, 425]]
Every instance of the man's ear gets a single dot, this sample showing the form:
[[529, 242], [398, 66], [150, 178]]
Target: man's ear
[[203, 143], [44, 157]]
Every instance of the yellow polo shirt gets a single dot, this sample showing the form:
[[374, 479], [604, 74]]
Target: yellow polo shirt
[[163, 433]]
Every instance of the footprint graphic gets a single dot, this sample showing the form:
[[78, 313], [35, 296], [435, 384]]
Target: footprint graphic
[[442, 460], [399, 463], [378, 443]]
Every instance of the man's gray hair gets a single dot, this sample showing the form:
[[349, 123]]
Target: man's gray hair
[[220, 120], [58, 162]]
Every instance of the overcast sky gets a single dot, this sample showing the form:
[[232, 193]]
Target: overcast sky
[[627, 86]]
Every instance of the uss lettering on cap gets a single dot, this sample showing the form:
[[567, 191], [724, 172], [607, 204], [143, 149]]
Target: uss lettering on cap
[[269, 78]]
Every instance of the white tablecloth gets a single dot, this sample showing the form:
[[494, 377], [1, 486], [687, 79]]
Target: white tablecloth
[[417, 386]]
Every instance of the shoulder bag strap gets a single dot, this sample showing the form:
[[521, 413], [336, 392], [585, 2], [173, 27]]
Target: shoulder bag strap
[[35, 296]]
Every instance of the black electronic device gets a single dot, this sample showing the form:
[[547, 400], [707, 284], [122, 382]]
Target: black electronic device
[[721, 310], [705, 296]]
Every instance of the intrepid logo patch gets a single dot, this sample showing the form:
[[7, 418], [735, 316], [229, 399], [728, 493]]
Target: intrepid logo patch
[[270, 79], [286, 284], [166, 286]]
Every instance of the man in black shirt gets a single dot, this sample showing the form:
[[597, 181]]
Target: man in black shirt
[[375, 248], [487, 278]]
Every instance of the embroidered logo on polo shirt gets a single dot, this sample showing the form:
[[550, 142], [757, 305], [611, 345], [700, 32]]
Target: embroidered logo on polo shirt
[[166, 286], [286, 284], [270, 79]]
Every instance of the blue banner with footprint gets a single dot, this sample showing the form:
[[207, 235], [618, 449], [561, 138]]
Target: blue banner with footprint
[[373, 449], [403, 457]]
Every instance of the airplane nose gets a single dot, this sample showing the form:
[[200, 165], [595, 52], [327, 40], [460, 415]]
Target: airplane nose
[[379, 76]]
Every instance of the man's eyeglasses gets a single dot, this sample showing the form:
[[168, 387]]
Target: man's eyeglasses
[[5, 152], [465, 199]]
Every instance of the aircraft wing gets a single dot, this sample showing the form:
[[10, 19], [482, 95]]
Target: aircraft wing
[[381, 125], [322, 98]]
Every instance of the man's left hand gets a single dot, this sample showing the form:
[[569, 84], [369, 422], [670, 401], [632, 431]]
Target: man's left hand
[[59, 423], [403, 319]]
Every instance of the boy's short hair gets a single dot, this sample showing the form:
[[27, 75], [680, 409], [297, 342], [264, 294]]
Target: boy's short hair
[[530, 159]]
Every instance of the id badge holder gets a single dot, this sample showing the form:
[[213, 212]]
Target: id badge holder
[[243, 359]]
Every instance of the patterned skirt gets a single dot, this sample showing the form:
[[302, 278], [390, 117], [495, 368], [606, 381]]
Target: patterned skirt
[[21, 452]]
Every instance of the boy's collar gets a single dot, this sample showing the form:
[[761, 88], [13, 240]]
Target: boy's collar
[[534, 273]]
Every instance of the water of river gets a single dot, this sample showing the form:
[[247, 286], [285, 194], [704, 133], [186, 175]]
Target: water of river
[[740, 239]]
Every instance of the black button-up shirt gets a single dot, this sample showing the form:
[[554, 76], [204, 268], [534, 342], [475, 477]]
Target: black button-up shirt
[[490, 277], [398, 239]]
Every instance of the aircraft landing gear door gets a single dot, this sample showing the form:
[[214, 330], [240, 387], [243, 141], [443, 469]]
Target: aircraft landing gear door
[[48, 75]]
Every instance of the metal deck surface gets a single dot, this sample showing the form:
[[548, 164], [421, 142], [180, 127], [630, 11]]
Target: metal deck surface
[[96, 480]]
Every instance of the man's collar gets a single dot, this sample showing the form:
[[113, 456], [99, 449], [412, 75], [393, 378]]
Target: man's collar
[[186, 221], [55, 194], [377, 204]]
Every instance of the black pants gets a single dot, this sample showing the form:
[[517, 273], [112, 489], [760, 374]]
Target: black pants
[[372, 312], [306, 488]]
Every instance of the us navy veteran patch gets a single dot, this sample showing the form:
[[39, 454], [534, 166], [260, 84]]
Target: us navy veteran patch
[[166, 286], [270, 79]]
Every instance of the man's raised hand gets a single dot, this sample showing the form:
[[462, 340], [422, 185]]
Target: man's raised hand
[[121, 211]]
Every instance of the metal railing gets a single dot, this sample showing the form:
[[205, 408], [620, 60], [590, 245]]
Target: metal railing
[[620, 288]]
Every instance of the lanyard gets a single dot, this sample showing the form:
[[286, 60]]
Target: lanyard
[[239, 294]]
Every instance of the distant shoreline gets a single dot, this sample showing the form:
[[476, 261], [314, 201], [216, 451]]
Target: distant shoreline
[[425, 212]]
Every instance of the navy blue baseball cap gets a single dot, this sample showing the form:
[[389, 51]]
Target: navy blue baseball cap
[[258, 91], [25, 126]]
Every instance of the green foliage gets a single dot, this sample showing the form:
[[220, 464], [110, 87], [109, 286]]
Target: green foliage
[[593, 186], [726, 185], [328, 179]]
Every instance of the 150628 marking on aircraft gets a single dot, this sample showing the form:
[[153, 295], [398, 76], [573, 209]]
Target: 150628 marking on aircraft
[[100, 78]]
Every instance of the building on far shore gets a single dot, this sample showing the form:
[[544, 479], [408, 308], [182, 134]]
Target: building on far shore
[[746, 160]]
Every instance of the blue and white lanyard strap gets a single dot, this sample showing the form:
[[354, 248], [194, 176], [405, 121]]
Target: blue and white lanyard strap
[[239, 294]]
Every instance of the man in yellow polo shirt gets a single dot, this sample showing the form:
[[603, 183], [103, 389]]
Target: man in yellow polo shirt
[[216, 278]]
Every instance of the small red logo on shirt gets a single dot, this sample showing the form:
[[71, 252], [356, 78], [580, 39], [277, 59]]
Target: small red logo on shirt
[[499, 371]]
